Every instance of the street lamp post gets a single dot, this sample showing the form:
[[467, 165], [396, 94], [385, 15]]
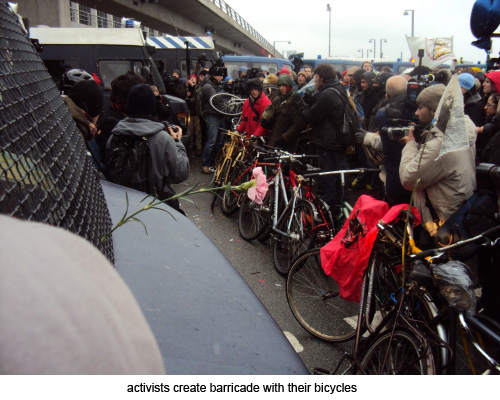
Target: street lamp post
[[279, 41], [374, 43], [412, 20], [329, 9], [361, 50], [368, 53], [382, 41]]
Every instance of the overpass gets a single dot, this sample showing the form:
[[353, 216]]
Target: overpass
[[231, 32]]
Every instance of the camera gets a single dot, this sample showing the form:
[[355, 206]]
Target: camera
[[397, 128], [396, 133]]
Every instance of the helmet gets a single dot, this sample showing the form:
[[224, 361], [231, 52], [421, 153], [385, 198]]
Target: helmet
[[243, 69], [263, 68], [72, 77]]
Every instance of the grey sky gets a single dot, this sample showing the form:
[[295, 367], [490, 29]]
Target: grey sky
[[305, 24]]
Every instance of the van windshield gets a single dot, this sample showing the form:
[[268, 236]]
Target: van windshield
[[110, 69]]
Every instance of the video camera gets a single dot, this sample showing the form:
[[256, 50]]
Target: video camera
[[418, 83], [397, 128]]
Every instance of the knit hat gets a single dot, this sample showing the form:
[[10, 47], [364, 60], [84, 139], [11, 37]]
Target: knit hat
[[217, 71], [294, 75], [88, 96], [272, 79], [344, 73], [255, 83], [352, 70], [429, 97], [141, 101], [192, 76], [302, 73], [285, 80], [203, 72], [284, 71], [466, 81], [494, 77], [228, 78]]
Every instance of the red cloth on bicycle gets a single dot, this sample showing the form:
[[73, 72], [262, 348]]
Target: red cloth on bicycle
[[345, 259], [250, 123]]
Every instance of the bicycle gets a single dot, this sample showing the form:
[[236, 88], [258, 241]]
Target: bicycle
[[415, 338], [227, 104], [315, 301]]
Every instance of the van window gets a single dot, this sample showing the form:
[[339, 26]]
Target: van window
[[273, 67], [161, 65], [233, 67], [110, 69], [58, 67]]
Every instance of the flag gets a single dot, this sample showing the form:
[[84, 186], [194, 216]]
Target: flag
[[436, 50]]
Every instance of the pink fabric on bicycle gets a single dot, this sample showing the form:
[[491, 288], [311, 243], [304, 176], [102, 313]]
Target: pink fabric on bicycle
[[259, 191], [347, 264]]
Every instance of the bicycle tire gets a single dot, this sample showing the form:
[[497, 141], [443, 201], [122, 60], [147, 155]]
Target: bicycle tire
[[398, 353], [314, 300], [230, 198], [302, 223], [253, 217], [227, 104]]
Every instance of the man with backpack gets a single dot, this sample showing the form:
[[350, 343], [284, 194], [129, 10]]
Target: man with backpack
[[143, 153], [326, 117]]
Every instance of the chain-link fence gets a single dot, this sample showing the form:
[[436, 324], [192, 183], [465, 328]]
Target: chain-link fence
[[46, 174]]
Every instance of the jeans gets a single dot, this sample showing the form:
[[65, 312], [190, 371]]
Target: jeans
[[329, 185], [214, 139]]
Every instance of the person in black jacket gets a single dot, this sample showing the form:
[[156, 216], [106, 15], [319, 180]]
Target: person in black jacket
[[326, 117], [473, 104]]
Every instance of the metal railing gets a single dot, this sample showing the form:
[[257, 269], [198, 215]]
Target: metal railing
[[241, 21]]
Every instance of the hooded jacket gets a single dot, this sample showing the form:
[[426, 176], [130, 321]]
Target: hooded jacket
[[250, 122], [326, 116], [368, 98], [282, 118], [169, 162], [448, 181], [209, 88]]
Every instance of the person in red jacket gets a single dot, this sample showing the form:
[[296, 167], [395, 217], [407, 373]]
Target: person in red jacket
[[253, 108]]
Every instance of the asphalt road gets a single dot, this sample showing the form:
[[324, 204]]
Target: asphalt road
[[253, 260]]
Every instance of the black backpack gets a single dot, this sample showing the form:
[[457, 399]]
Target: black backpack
[[129, 162], [478, 214], [351, 123]]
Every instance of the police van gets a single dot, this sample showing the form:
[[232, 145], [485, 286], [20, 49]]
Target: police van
[[340, 65], [274, 65], [105, 52]]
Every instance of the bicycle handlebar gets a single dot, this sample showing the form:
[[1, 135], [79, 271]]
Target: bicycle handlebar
[[341, 172], [434, 252]]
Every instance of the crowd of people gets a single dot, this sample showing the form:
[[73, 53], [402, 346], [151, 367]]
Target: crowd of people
[[284, 113]]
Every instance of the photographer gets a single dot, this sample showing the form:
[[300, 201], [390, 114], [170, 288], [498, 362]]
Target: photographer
[[445, 182], [392, 116], [169, 163]]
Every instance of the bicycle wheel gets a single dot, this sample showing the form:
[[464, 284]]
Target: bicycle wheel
[[254, 217], [299, 225], [227, 104], [315, 302], [398, 353], [230, 198]]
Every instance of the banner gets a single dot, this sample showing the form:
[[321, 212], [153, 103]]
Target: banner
[[436, 50]]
